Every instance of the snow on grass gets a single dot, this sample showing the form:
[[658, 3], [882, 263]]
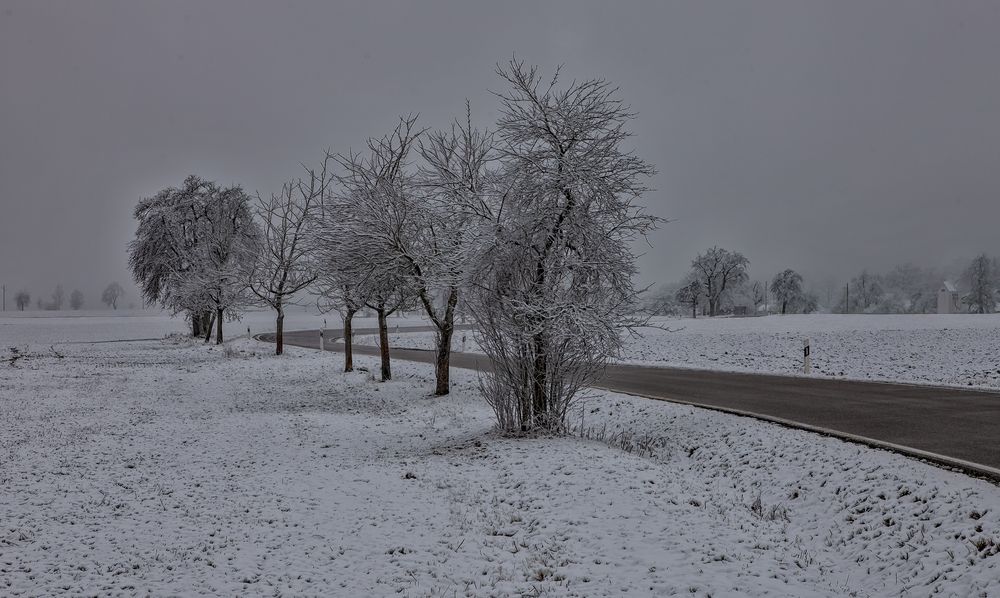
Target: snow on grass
[[959, 350], [48, 327], [173, 467]]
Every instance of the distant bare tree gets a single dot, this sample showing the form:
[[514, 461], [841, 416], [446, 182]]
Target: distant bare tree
[[787, 288], [690, 294], [758, 294], [981, 275], [282, 267], [76, 299], [718, 270], [111, 294], [22, 299], [58, 298]]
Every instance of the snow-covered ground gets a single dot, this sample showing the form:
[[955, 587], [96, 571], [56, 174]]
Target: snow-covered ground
[[46, 327], [174, 467], [962, 350]]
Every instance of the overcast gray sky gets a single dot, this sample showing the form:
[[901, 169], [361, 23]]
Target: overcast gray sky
[[822, 136]]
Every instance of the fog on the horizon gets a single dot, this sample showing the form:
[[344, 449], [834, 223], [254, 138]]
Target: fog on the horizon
[[826, 136]]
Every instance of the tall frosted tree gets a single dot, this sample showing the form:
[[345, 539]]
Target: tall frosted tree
[[554, 288], [786, 287], [719, 270], [981, 275]]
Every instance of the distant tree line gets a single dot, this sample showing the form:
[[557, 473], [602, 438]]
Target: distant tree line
[[719, 283], [57, 300]]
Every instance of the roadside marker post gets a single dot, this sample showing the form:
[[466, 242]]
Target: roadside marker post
[[322, 345], [248, 332], [806, 358]]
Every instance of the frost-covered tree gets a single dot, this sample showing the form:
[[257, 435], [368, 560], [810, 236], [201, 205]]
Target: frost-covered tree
[[554, 289], [758, 294], [864, 293], [439, 253], [76, 299], [981, 275], [911, 289], [191, 250], [58, 298], [371, 227], [283, 266], [787, 288], [719, 270], [690, 294], [22, 299], [112, 293]]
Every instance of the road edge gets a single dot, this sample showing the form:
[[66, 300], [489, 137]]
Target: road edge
[[983, 472]]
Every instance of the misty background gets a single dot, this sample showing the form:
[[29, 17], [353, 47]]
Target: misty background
[[825, 136]]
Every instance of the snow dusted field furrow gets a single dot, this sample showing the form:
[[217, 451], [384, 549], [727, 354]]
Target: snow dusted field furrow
[[171, 467], [955, 350]]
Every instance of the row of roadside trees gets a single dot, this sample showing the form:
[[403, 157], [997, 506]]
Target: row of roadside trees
[[526, 227]]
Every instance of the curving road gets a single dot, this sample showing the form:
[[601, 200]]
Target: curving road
[[950, 426]]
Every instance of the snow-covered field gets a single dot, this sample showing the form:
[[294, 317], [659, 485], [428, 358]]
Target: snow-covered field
[[962, 350], [46, 327], [174, 467]]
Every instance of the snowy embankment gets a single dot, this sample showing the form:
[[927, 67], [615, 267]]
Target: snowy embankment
[[959, 350], [172, 467]]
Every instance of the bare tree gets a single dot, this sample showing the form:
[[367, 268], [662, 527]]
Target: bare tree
[[282, 267], [758, 294], [58, 298], [22, 299], [554, 289], [371, 226], [112, 293], [76, 299], [690, 294], [440, 253], [981, 275], [787, 288], [719, 269]]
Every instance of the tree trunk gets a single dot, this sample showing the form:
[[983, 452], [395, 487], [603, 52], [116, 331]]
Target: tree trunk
[[195, 325], [279, 338], [784, 304], [207, 326], [383, 341], [540, 397], [694, 310], [442, 365], [349, 340], [218, 326], [712, 307]]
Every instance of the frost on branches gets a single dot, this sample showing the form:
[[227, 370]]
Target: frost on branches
[[191, 250], [555, 289]]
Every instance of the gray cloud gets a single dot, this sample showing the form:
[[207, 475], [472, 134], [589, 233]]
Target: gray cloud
[[824, 136]]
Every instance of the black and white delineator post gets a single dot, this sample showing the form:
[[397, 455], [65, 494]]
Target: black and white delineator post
[[806, 359], [322, 344]]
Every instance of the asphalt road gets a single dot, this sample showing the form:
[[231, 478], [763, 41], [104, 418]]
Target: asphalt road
[[952, 426]]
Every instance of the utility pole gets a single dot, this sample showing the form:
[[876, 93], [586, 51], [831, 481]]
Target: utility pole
[[847, 298], [5, 297]]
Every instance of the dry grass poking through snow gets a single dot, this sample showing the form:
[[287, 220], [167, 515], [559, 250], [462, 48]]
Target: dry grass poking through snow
[[174, 467]]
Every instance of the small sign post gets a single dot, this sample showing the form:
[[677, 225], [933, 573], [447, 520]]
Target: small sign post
[[806, 359]]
